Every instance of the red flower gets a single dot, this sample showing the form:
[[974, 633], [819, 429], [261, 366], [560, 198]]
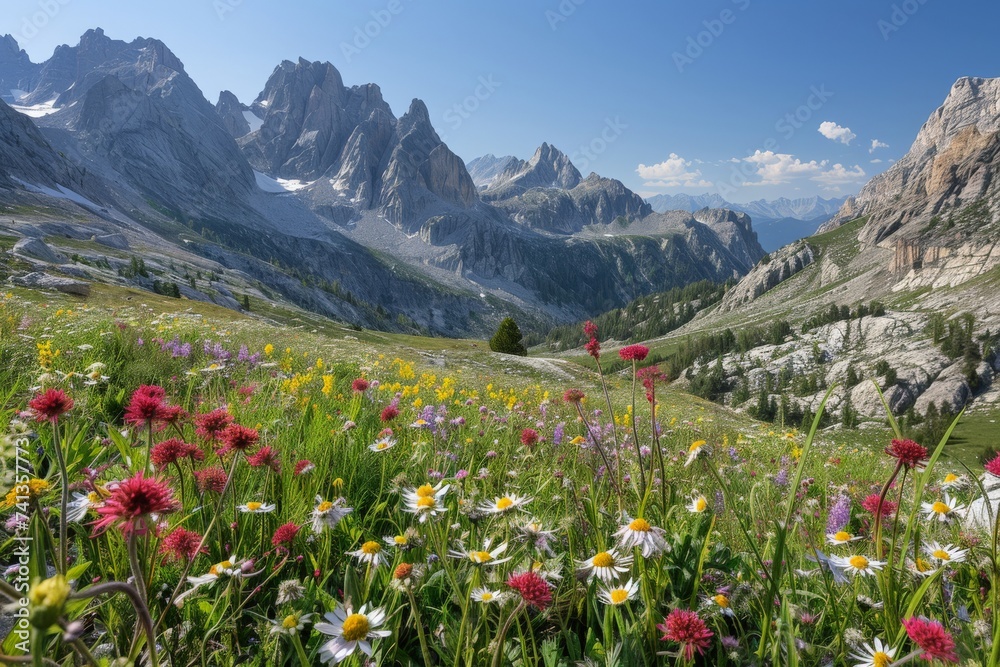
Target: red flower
[[303, 466], [133, 501], [589, 329], [573, 396], [171, 414], [909, 453], [532, 588], [993, 466], [529, 436], [51, 404], [593, 348], [871, 505], [649, 376], [360, 385], [285, 534], [211, 479], [266, 457], [210, 425], [170, 451], [182, 545], [633, 352], [238, 438], [146, 406], [932, 637], [389, 413], [403, 570], [688, 630]]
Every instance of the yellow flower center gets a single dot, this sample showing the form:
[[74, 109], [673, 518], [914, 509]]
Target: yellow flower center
[[619, 595], [722, 601], [859, 562], [425, 490], [922, 565], [640, 525], [950, 477], [941, 554], [486, 597], [504, 503], [382, 445], [603, 559], [881, 659], [842, 536], [400, 540], [427, 502], [371, 548], [696, 445], [93, 497], [356, 627], [324, 506], [700, 505], [253, 507], [480, 557], [940, 508], [291, 621], [219, 567], [578, 440]]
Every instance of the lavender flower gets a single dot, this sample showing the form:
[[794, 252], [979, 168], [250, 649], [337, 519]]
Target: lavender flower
[[840, 514]]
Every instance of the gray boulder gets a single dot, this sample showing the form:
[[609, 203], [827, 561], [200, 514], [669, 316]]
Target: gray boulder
[[116, 241], [38, 249], [44, 281]]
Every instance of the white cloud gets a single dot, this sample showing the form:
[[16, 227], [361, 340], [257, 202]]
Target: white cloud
[[780, 168], [876, 161], [835, 132], [674, 172], [841, 175], [876, 144]]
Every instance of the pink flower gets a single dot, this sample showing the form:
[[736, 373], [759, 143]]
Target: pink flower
[[51, 404], [285, 534], [303, 466], [182, 545], [360, 385], [529, 437], [133, 501], [633, 352], [210, 425], [932, 638], [909, 453], [171, 451], [870, 504], [573, 396], [532, 588], [238, 438], [993, 466], [211, 479], [593, 348], [688, 630], [589, 329], [147, 406], [389, 413], [266, 457]]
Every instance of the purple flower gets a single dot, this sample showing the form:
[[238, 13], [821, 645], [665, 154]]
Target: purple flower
[[840, 514], [557, 433], [461, 474]]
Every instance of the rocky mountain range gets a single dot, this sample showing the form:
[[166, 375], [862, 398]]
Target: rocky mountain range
[[778, 222], [315, 193], [922, 239]]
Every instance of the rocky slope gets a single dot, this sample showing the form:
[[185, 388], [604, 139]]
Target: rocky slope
[[484, 170], [18, 74]]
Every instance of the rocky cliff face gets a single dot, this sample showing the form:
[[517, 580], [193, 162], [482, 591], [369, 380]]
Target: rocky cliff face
[[233, 114], [950, 166], [26, 155], [484, 170], [548, 168], [18, 74]]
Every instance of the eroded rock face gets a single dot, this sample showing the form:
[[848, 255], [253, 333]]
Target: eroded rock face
[[781, 266], [17, 72], [44, 281], [232, 113], [38, 249]]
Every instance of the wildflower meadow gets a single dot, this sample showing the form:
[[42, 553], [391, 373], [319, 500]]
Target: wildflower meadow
[[189, 491]]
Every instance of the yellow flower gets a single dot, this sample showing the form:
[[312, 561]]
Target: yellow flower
[[47, 599], [269, 349], [32, 489]]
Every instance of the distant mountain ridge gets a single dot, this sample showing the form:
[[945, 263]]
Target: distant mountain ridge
[[317, 193]]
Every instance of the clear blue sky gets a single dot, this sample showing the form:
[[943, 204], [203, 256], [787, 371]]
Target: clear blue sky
[[569, 71]]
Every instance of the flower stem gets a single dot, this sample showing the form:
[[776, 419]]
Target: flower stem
[[300, 650], [63, 500], [498, 652], [424, 648], [635, 437], [133, 559]]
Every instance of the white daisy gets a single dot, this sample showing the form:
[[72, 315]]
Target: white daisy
[[254, 507], [857, 565], [942, 510], [425, 501], [921, 567], [350, 631], [605, 565], [504, 504], [231, 567], [328, 514], [697, 449], [952, 481], [698, 505], [947, 554], [291, 624], [369, 553], [841, 537], [639, 533], [720, 602], [879, 655], [486, 556], [382, 444], [616, 595], [486, 596]]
